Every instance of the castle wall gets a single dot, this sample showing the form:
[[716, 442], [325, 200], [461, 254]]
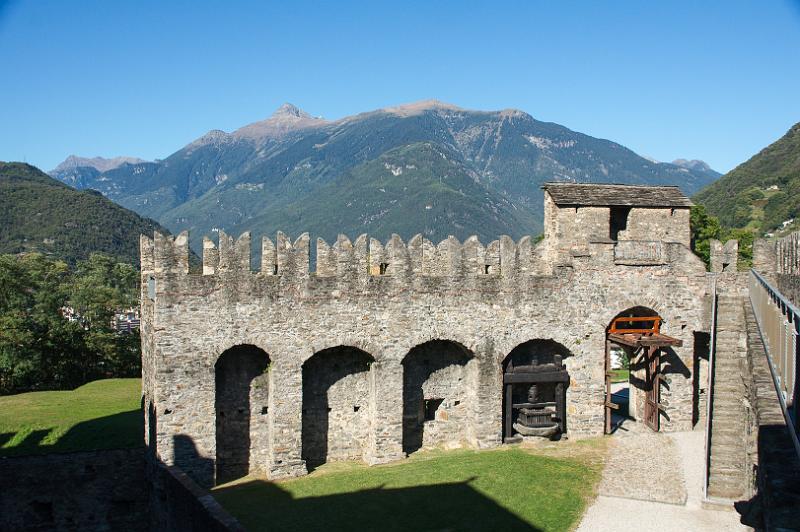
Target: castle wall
[[242, 396], [445, 293], [93, 490], [657, 224], [443, 375], [337, 388], [779, 261]]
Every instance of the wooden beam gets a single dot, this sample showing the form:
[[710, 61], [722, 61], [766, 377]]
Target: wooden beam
[[532, 378], [624, 339], [638, 340]]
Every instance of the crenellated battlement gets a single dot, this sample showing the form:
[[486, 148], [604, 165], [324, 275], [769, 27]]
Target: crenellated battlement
[[418, 258], [344, 258], [787, 251]]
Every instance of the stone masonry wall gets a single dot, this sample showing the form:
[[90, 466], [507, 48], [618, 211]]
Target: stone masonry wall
[[101, 490], [336, 408], [438, 377], [386, 299], [650, 224], [779, 261], [789, 285], [242, 395], [574, 226]]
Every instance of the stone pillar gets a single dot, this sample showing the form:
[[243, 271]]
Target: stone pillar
[[586, 392], [488, 402], [385, 442], [286, 409]]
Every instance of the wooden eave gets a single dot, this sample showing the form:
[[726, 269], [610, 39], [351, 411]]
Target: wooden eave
[[644, 340]]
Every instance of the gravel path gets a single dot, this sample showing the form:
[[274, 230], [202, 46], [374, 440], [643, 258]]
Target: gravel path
[[683, 453], [634, 471]]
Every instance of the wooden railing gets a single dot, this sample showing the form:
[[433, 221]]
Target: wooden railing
[[618, 325]]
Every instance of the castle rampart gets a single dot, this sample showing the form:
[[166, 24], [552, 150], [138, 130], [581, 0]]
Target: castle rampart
[[386, 347]]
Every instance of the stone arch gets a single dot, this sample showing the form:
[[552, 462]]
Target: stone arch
[[565, 338], [630, 399], [337, 400], [241, 398], [641, 306], [440, 380], [323, 343], [534, 373], [432, 333]]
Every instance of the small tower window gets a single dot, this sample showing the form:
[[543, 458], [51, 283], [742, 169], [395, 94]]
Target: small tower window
[[383, 268], [431, 406], [618, 221]]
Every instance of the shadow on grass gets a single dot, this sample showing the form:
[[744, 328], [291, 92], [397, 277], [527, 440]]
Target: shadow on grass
[[447, 506], [117, 431]]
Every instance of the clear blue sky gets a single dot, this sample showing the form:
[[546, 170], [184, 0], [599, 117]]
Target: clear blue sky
[[711, 80]]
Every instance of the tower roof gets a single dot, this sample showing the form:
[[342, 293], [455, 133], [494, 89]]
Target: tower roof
[[613, 195]]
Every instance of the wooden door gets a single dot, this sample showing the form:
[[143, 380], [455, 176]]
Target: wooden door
[[651, 402]]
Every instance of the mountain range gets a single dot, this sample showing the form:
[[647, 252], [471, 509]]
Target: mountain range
[[427, 167], [763, 193], [38, 213]]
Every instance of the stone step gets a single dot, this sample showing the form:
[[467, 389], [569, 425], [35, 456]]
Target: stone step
[[727, 436], [728, 460], [727, 475], [726, 415]]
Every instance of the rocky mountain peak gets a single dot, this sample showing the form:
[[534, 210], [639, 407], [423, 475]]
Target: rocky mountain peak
[[694, 164], [101, 164], [414, 108], [289, 110], [286, 119]]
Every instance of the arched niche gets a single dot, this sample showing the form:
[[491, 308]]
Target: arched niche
[[535, 382], [241, 402], [439, 392], [337, 397]]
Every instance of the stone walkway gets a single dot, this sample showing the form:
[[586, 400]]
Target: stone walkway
[[640, 494], [643, 466]]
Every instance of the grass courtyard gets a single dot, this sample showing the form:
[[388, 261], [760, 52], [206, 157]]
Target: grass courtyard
[[102, 414], [544, 487], [541, 488]]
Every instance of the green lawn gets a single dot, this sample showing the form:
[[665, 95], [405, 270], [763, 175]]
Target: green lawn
[[620, 375], [504, 489], [102, 414]]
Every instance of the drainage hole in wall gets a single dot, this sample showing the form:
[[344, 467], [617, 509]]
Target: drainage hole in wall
[[264, 410]]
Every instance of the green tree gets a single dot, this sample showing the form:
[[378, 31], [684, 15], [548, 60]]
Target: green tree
[[704, 228], [39, 347], [102, 287]]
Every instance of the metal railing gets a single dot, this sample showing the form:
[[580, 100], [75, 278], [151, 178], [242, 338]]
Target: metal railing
[[779, 325]]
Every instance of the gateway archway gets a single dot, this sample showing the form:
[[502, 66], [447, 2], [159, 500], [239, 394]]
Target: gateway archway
[[636, 335]]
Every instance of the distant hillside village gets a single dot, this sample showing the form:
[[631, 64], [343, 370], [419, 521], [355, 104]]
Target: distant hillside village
[[123, 321]]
